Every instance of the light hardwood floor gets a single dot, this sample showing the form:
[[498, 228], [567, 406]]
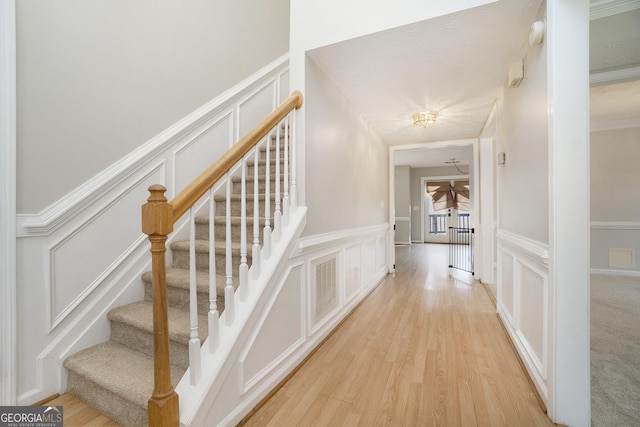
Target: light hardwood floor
[[423, 349], [77, 414]]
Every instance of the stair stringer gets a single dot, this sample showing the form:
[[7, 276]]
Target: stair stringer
[[195, 401]]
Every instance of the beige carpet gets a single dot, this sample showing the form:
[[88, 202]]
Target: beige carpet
[[615, 351]]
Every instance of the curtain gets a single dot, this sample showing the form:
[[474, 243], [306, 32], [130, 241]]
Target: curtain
[[461, 199], [441, 193], [449, 194]]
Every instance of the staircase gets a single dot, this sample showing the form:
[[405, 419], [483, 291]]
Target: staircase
[[116, 377]]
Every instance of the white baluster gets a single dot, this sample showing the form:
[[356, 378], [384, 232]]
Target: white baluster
[[266, 244], [229, 305], [194, 341], [277, 214], [214, 316], [255, 259], [285, 197], [294, 162], [244, 267]]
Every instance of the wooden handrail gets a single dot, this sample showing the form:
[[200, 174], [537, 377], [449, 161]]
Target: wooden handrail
[[158, 217], [190, 195]]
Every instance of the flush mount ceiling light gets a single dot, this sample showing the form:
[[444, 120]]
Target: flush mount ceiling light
[[424, 119]]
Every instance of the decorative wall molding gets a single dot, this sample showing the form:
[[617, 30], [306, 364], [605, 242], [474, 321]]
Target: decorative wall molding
[[615, 225], [251, 368], [531, 247], [612, 76], [329, 240], [75, 295], [604, 8], [523, 301], [8, 320], [612, 272], [65, 209]]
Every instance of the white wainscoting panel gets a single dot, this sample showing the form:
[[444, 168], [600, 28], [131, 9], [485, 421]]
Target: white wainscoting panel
[[279, 331], [262, 362], [532, 314], [523, 301], [81, 260], [199, 152], [85, 253], [506, 289], [353, 278], [256, 107]]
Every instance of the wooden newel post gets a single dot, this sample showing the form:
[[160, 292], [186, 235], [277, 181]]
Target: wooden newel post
[[157, 223]]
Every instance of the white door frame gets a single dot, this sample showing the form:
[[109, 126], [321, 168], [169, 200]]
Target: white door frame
[[425, 145], [8, 315]]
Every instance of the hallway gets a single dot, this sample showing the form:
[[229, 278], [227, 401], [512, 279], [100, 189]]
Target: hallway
[[423, 349]]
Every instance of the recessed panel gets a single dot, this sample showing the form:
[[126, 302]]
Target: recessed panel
[[532, 310], [353, 270], [280, 329], [505, 286], [83, 259]]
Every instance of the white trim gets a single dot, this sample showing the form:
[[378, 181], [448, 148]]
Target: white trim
[[615, 225], [612, 272], [603, 8], [8, 318], [403, 218], [320, 241], [67, 207], [611, 76], [538, 250]]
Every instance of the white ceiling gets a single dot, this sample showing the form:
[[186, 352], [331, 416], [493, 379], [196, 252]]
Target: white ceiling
[[456, 64]]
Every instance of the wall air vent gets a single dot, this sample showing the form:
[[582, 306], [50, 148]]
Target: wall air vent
[[325, 287]]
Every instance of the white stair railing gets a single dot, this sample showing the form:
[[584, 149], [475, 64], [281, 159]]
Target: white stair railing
[[158, 219]]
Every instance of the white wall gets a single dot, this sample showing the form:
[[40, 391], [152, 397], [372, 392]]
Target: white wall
[[523, 214], [522, 136], [402, 204], [88, 256], [346, 164], [615, 197], [543, 215], [486, 219], [98, 79], [317, 24]]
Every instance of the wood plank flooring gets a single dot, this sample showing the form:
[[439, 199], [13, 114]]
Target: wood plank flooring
[[424, 349], [77, 414]]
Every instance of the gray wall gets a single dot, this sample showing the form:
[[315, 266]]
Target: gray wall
[[346, 166], [402, 204], [97, 79], [523, 182], [615, 194]]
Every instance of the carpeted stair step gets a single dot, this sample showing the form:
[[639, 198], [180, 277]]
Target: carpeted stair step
[[236, 182], [178, 289], [180, 251], [220, 227], [115, 380], [262, 165], [236, 203], [132, 326]]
